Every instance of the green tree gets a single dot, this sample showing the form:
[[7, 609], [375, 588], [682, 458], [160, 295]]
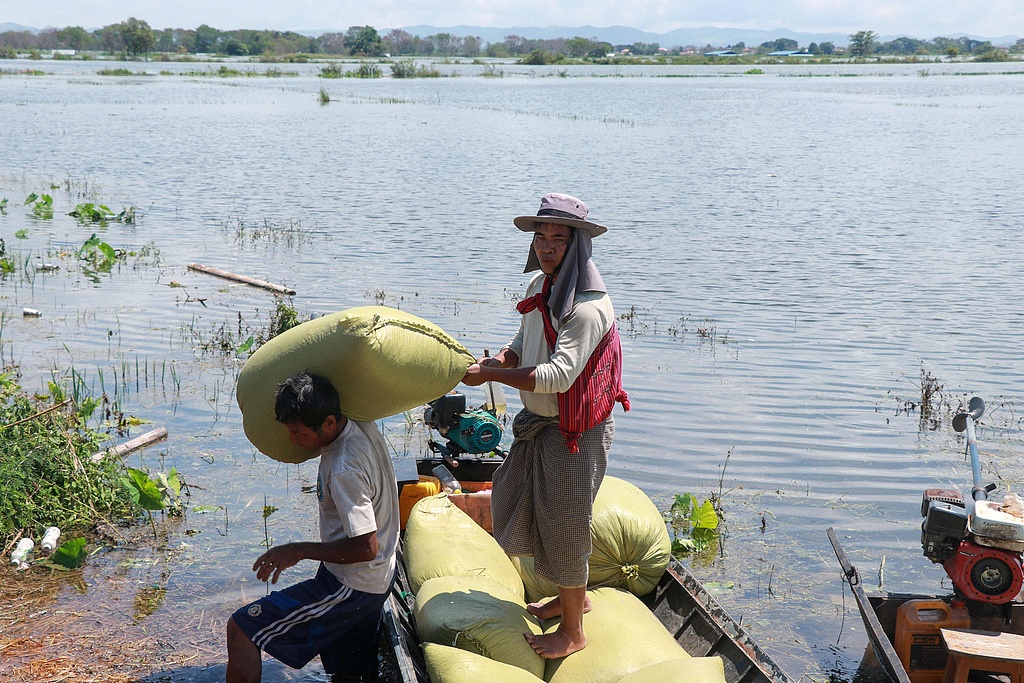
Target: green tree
[[861, 43], [579, 47], [827, 47], [444, 43], [364, 40], [74, 37], [398, 42], [207, 38], [137, 36]]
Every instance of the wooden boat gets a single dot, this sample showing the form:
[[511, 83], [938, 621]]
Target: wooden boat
[[696, 620], [879, 615]]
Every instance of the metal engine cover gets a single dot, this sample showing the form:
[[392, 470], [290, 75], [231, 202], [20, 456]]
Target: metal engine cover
[[942, 531], [985, 574]]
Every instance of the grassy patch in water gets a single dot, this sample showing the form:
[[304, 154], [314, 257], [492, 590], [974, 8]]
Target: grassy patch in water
[[47, 474]]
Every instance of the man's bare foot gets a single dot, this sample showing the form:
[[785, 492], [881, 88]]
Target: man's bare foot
[[553, 608], [556, 645]]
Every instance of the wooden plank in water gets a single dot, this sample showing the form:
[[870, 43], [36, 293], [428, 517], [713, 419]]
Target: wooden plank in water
[[245, 279], [132, 445]]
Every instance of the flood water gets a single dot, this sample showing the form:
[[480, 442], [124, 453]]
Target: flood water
[[789, 254]]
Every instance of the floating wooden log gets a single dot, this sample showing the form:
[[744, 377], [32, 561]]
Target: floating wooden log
[[262, 284], [132, 445]]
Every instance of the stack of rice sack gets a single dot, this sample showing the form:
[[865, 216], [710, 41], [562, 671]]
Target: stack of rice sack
[[470, 608]]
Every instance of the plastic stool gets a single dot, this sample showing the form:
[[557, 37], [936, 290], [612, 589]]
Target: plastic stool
[[987, 651]]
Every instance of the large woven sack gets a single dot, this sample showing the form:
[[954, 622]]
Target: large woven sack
[[623, 636], [683, 670], [442, 540], [630, 541], [452, 665], [536, 586], [478, 615], [382, 361], [631, 544]]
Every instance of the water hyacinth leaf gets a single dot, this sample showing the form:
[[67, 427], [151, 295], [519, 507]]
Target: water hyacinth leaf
[[245, 346], [108, 251], [171, 481], [268, 510], [31, 198], [57, 391], [87, 407], [143, 490], [705, 516], [71, 554]]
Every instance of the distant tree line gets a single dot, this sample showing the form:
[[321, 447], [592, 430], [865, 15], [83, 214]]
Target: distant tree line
[[135, 37]]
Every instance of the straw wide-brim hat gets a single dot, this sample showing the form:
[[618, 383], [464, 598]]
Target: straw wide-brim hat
[[560, 209]]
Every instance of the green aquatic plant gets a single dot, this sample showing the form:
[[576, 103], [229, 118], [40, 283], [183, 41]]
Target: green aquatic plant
[[98, 254], [89, 212], [115, 72], [331, 70], [325, 97], [694, 524], [7, 264], [42, 205], [365, 71], [406, 68]]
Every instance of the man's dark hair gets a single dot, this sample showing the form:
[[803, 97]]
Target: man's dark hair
[[306, 398]]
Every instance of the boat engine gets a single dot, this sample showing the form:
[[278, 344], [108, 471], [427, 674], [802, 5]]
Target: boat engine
[[466, 431], [980, 543]]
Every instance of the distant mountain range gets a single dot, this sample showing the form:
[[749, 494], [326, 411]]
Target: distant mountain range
[[624, 35], [699, 37]]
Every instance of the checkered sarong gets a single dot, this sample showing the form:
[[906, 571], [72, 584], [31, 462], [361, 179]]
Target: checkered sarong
[[543, 496]]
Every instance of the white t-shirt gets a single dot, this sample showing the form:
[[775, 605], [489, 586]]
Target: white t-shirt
[[358, 493], [588, 322]]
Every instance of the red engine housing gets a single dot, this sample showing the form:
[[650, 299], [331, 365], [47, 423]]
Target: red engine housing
[[985, 574]]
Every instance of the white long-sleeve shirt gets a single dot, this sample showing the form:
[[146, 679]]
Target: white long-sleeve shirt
[[590, 319]]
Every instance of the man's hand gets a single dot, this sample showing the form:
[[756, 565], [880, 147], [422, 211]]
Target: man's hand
[[275, 561], [474, 374]]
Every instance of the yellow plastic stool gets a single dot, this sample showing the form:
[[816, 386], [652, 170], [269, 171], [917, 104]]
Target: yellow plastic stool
[[987, 651]]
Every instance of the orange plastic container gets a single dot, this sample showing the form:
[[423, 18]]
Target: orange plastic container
[[412, 492], [918, 641]]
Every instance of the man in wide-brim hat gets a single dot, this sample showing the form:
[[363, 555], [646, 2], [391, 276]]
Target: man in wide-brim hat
[[566, 361]]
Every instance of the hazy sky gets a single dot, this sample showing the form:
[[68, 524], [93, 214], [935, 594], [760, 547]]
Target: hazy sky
[[920, 18]]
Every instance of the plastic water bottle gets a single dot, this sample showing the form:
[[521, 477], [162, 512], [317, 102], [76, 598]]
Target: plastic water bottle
[[449, 484], [49, 542], [22, 552]]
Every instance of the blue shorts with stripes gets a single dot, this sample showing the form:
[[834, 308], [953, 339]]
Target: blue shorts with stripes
[[320, 616]]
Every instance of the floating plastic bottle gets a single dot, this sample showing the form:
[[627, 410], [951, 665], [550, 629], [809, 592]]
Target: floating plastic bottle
[[49, 542], [449, 484], [22, 552]]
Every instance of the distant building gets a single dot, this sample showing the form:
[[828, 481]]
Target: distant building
[[721, 53], [790, 53]]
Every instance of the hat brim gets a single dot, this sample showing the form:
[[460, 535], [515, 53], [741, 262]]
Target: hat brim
[[530, 223]]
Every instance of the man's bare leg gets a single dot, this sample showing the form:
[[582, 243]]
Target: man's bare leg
[[553, 608], [568, 637], [245, 664]]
